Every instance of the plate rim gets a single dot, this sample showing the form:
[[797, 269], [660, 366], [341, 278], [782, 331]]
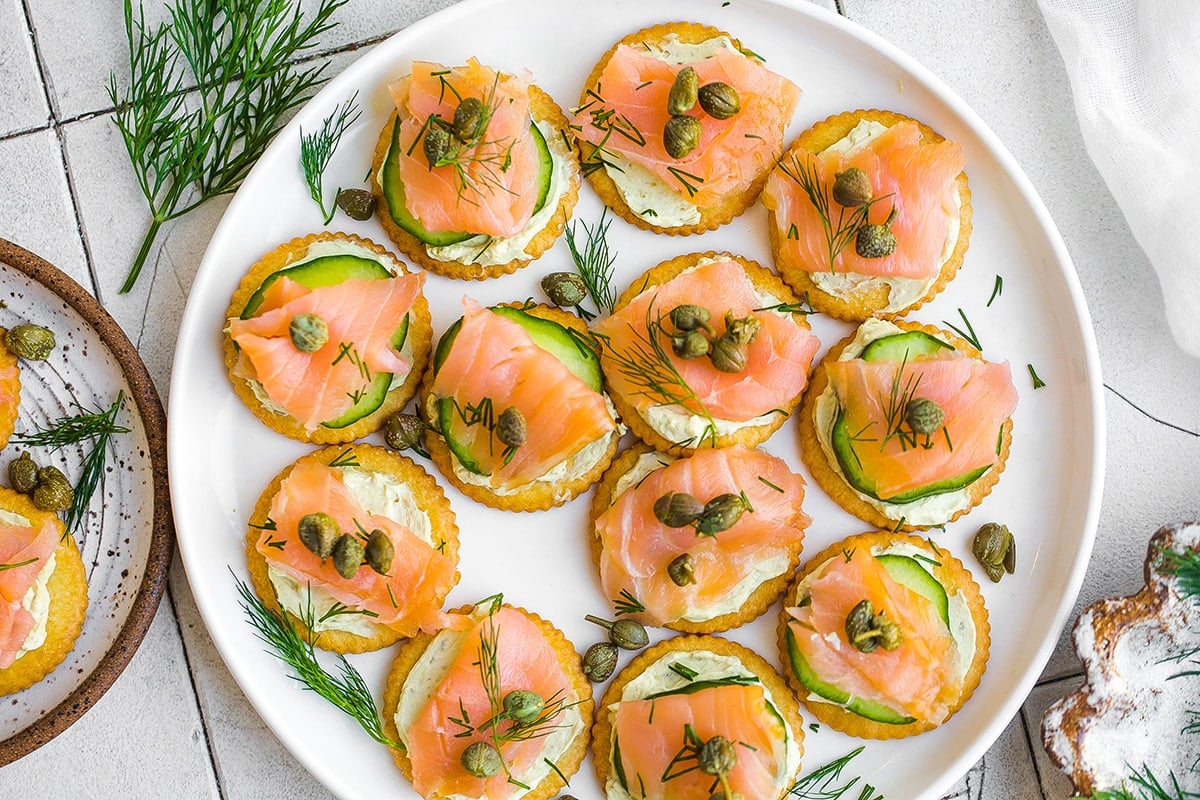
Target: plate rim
[[162, 538]]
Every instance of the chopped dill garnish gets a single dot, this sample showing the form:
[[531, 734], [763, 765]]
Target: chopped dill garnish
[[594, 262], [804, 307], [686, 179], [768, 483], [626, 603], [683, 671], [345, 458], [1038, 383], [25, 563], [997, 290], [969, 334], [316, 150], [816, 785]]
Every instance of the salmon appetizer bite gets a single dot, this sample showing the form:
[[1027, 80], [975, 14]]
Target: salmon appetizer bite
[[705, 350], [885, 635], [43, 592], [473, 174], [869, 214], [326, 337], [516, 417], [699, 544], [906, 426], [678, 127], [695, 718], [358, 546], [10, 390], [494, 706]]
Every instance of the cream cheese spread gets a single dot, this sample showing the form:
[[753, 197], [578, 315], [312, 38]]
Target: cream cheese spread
[[36, 599]]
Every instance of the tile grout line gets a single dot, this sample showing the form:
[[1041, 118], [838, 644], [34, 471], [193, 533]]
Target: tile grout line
[[43, 75], [1033, 754], [187, 663]]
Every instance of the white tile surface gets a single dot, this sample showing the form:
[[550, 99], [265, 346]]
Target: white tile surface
[[24, 106]]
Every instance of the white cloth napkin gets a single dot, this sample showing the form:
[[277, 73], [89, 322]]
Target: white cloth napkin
[[1134, 67]]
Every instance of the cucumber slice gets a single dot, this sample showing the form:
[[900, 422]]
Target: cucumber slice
[[393, 191], [453, 429], [909, 572], [320, 272], [903, 347], [864, 708]]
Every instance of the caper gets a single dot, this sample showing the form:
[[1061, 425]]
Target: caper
[[727, 355], [923, 415], [889, 632], [565, 289], [742, 330], [379, 552], [523, 706], [852, 188], [681, 135], [309, 332], [876, 241], [403, 431], [53, 495], [690, 344], [599, 661], [318, 532], [720, 514], [482, 760], [30, 342], [689, 317], [48, 474], [682, 570], [347, 555], [719, 100], [859, 631], [510, 427], [996, 550], [628, 634], [467, 117], [684, 90], [358, 204], [436, 143], [676, 509], [717, 756], [23, 473]]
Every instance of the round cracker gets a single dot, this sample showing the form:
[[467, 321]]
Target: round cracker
[[10, 392], [955, 579], [764, 281], [711, 217], [868, 301], [68, 601], [568, 660], [781, 694], [829, 476], [755, 605], [419, 337], [538, 495], [542, 108], [430, 498]]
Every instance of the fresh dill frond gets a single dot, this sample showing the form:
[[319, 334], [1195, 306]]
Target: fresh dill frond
[[316, 150], [818, 784], [1038, 383], [997, 290], [594, 262], [244, 58], [26, 563], [626, 603], [346, 690], [968, 334]]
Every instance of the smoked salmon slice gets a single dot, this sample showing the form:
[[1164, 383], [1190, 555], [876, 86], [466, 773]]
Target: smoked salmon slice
[[912, 175], [489, 186], [361, 315], [777, 363], [494, 363], [23, 554], [976, 397], [636, 548], [408, 598], [911, 679], [626, 111]]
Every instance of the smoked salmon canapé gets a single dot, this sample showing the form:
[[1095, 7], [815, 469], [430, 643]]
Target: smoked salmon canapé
[[473, 173], [884, 635], [678, 127], [705, 350], [694, 718], [869, 214], [357, 545], [514, 409], [43, 592], [10, 391], [701, 543], [327, 336], [906, 426], [493, 706]]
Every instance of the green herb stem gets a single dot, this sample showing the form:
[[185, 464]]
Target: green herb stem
[[317, 149]]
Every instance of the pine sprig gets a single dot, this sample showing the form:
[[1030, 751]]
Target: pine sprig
[[346, 690], [1145, 785], [242, 55], [1185, 566], [316, 150], [594, 262]]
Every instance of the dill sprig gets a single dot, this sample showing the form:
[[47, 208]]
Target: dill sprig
[[316, 150], [242, 56], [816, 785], [647, 366], [837, 237], [626, 603], [968, 334], [346, 690], [1038, 383], [97, 426], [594, 263], [26, 563], [1144, 785], [997, 290]]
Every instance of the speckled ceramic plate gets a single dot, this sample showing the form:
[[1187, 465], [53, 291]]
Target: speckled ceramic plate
[[127, 538]]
